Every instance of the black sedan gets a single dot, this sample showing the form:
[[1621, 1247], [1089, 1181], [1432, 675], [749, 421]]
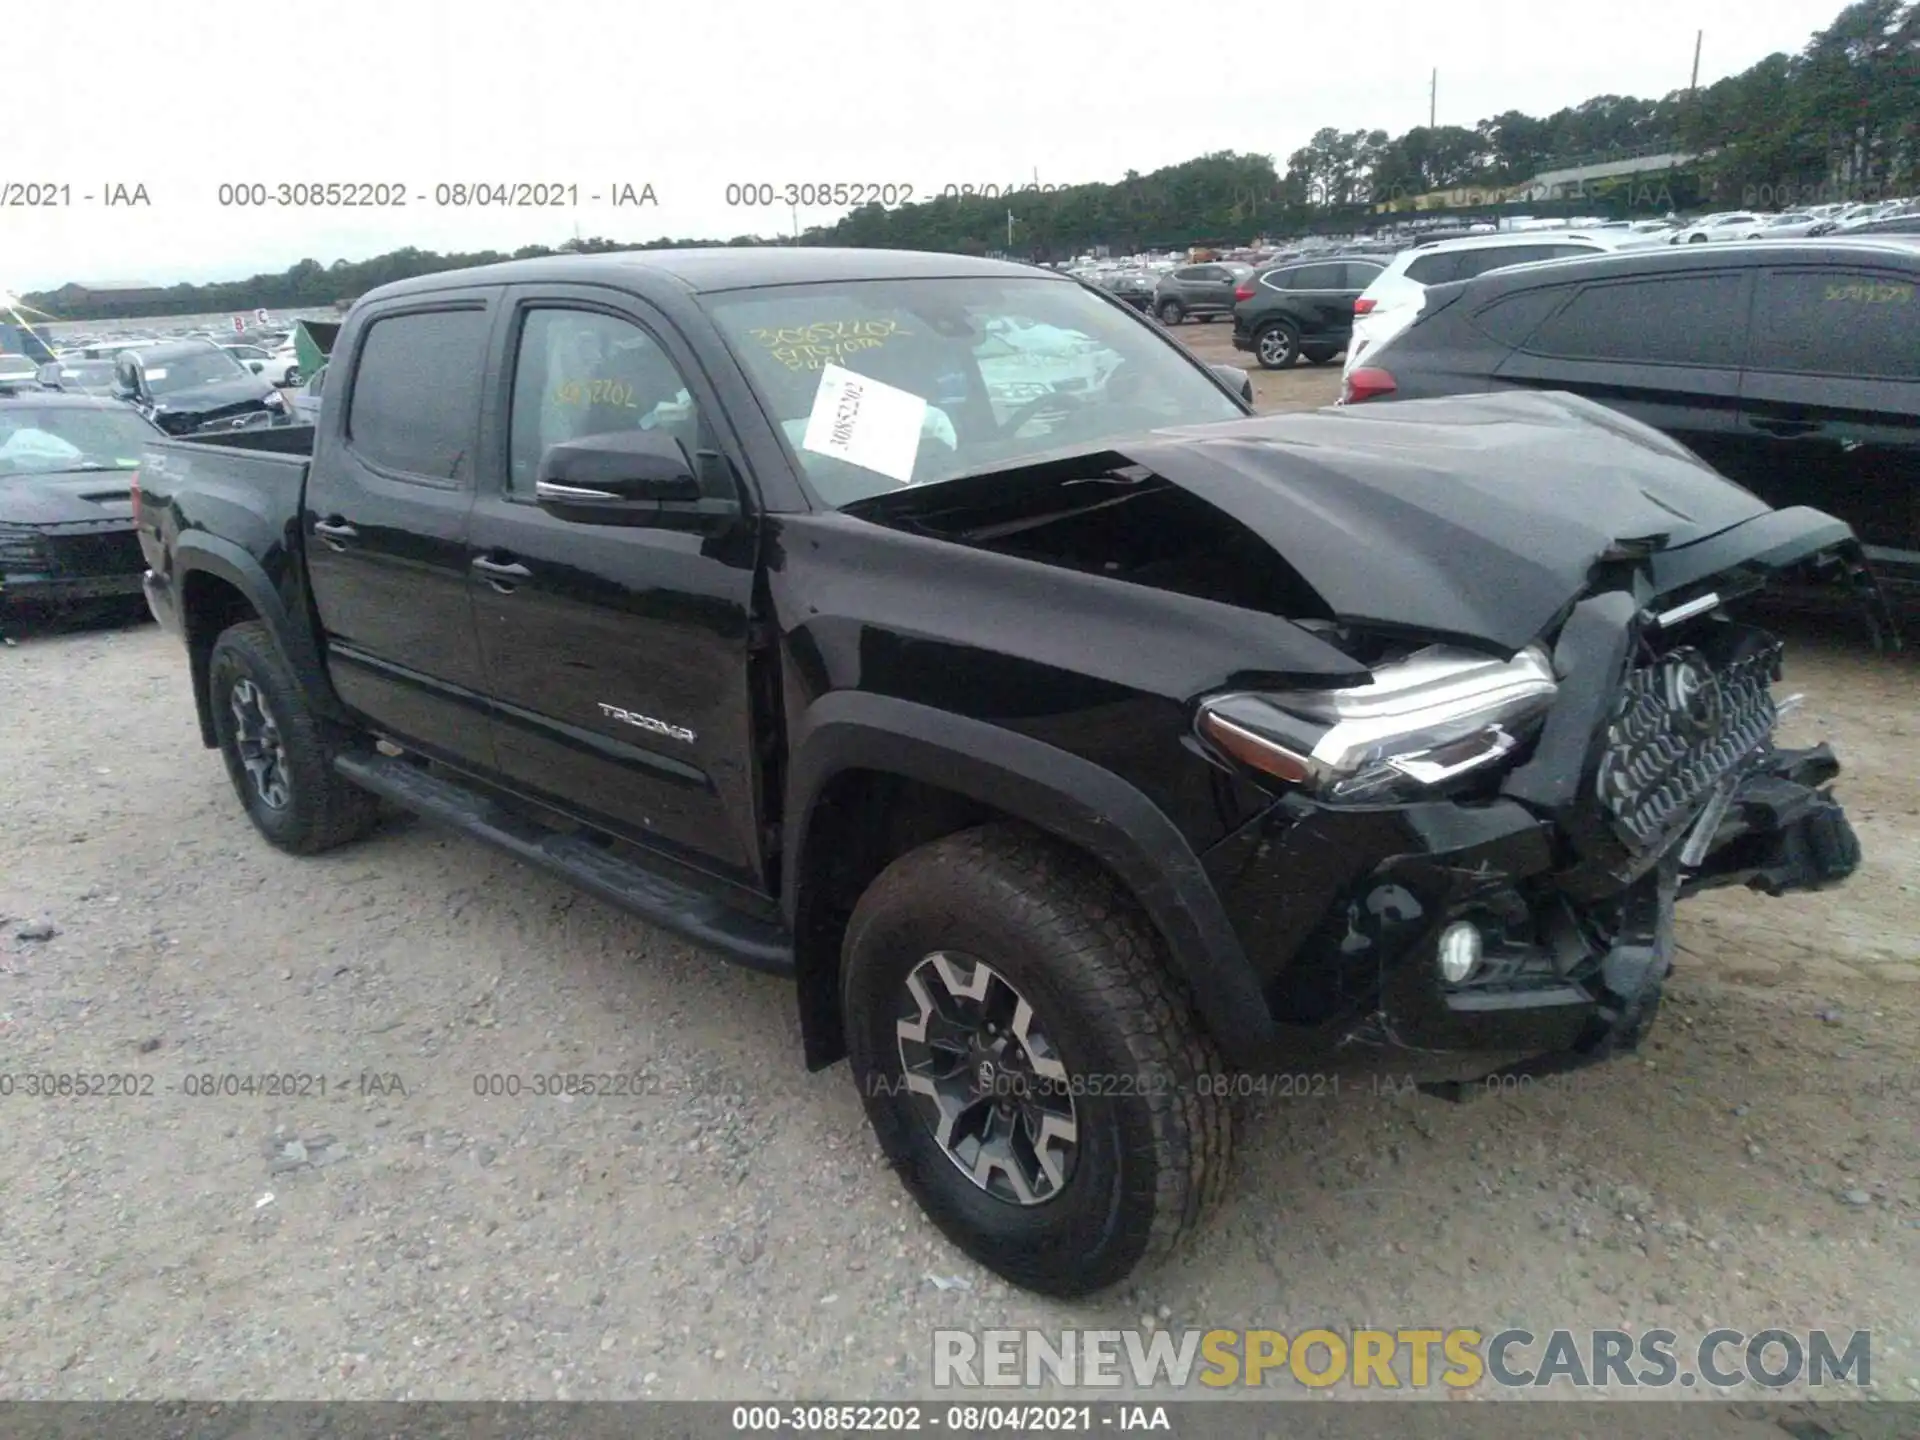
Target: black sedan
[[66, 499], [78, 377]]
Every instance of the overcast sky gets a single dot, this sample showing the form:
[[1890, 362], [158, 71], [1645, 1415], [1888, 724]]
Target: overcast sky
[[690, 97]]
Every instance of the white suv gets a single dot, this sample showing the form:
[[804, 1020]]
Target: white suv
[[1391, 302]]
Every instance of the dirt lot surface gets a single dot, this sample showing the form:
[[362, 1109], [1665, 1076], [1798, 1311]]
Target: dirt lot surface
[[733, 1233]]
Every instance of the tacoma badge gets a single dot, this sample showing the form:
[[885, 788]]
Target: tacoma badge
[[647, 722]]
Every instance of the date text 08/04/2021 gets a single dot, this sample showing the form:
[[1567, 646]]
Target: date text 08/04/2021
[[198, 1084], [443, 194], [1013, 1418]]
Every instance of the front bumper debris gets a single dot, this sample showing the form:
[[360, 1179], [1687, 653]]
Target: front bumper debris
[[1564, 979]]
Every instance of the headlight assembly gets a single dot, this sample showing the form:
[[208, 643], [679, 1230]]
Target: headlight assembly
[[1424, 721]]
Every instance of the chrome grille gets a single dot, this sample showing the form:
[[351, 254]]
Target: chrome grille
[[1682, 723]]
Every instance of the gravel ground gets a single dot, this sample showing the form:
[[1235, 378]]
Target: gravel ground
[[732, 1232]]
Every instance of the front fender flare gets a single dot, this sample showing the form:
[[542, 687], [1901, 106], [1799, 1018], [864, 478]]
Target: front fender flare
[[1074, 800]]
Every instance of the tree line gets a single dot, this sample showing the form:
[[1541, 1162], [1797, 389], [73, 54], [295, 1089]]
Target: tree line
[[1840, 119]]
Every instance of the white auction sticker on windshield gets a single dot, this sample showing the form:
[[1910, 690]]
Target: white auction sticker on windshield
[[865, 423]]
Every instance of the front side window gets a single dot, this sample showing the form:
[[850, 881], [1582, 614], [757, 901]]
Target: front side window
[[997, 372], [579, 373], [1837, 322]]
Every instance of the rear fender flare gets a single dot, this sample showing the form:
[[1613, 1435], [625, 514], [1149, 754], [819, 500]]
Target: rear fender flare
[[199, 552], [1074, 800]]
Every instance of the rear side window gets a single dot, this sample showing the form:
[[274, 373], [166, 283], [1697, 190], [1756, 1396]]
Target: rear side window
[[1435, 269], [1512, 318], [1668, 320], [1837, 322], [415, 404], [1317, 277], [1361, 273]]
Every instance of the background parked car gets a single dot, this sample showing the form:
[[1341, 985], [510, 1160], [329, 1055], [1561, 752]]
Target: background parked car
[[1300, 309], [66, 511], [1393, 297], [189, 385], [306, 400], [19, 372], [1789, 224], [1727, 225], [1792, 366], [279, 369], [1201, 292], [79, 377]]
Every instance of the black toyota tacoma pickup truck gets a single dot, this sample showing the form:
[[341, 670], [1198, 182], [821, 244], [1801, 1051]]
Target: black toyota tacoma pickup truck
[[942, 635]]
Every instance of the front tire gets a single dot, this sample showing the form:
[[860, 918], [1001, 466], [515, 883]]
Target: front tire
[[1034, 1073], [276, 748], [1276, 346]]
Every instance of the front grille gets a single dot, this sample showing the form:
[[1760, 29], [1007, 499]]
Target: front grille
[[20, 549], [1684, 721], [82, 557]]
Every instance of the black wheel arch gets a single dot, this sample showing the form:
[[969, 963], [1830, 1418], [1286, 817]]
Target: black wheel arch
[[983, 771], [220, 585]]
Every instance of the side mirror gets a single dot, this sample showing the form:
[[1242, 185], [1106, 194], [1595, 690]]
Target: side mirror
[[631, 477], [1235, 379], [257, 366]]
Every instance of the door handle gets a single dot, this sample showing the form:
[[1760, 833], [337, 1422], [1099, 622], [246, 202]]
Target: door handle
[[1787, 427], [501, 575], [335, 529]]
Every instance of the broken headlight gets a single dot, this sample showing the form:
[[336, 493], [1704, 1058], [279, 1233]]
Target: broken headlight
[[1424, 721]]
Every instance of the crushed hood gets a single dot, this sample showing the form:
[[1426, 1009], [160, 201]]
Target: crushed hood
[[1477, 517]]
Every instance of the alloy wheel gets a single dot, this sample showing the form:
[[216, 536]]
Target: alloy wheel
[[1276, 347], [256, 735], [986, 1079]]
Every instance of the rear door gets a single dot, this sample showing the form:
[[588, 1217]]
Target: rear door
[[1665, 349], [389, 500], [1830, 399], [1321, 303], [617, 655]]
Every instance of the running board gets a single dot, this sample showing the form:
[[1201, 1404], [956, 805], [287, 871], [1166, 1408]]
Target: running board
[[683, 909]]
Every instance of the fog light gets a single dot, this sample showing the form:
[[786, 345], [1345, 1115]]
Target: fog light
[[1459, 951]]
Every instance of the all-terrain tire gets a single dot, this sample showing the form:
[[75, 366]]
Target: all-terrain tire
[[1154, 1125], [321, 808]]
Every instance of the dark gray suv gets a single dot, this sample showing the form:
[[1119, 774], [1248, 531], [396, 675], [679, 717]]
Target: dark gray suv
[[1203, 292]]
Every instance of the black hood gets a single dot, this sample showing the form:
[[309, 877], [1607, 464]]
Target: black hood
[[1478, 517], [66, 497]]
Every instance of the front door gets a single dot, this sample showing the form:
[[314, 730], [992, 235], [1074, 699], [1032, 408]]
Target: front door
[[1830, 401], [389, 497], [617, 656]]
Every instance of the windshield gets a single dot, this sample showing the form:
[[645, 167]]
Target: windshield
[[41, 440], [975, 374], [193, 369]]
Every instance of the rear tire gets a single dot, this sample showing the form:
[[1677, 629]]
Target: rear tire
[[276, 749], [1144, 1154], [1171, 312]]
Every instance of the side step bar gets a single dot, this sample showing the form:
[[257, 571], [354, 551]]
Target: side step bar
[[661, 901]]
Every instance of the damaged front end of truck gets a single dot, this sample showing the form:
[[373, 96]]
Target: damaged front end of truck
[[1470, 857]]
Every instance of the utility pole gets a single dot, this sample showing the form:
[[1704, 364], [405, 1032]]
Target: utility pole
[[1433, 97], [1009, 231], [1694, 83]]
